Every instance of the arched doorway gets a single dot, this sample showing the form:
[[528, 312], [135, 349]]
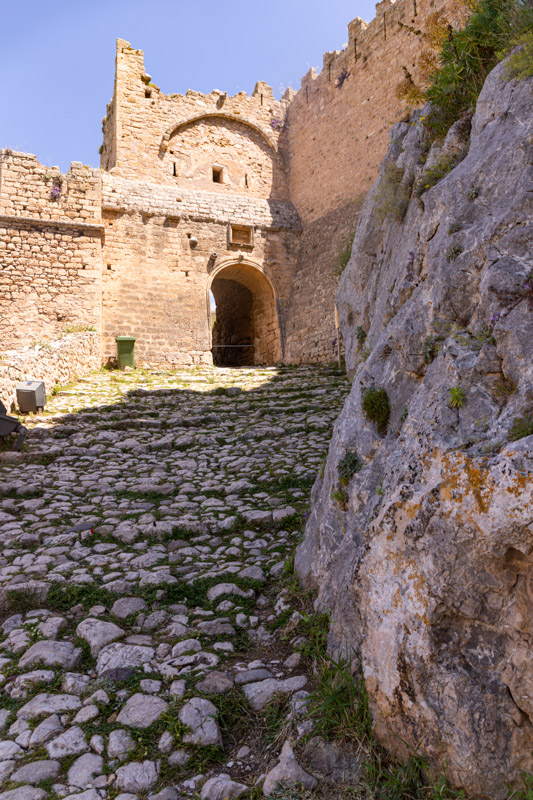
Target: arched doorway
[[245, 327]]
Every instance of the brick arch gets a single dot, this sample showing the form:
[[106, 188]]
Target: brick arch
[[172, 129], [247, 310]]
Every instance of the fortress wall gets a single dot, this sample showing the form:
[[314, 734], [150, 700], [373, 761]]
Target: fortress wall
[[50, 250], [337, 136], [176, 139], [155, 278]]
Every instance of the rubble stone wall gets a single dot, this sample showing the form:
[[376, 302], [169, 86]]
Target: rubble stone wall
[[56, 362]]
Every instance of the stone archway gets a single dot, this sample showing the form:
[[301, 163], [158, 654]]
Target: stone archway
[[245, 330]]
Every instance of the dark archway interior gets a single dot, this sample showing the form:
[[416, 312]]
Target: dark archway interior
[[233, 331]]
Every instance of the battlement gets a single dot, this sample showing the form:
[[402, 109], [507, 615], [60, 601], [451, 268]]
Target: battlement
[[340, 117], [142, 123], [29, 189]]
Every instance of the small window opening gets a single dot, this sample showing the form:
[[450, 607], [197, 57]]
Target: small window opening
[[109, 266], [174, 171], [355, 49], [242, 235], [147, 92], [261, 99], [217, 175], [246, 179]]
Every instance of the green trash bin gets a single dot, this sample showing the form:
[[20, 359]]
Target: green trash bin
[[125, 351]]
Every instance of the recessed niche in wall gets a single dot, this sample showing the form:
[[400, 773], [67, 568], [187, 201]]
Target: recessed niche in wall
[[242, 235], [218, 175]]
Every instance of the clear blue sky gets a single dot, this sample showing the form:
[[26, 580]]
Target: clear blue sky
[[57, 58]]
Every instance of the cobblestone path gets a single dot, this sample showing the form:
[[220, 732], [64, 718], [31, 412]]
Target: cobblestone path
[[143, 537]]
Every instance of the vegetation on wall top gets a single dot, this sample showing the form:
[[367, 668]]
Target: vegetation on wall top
[[455, 64]]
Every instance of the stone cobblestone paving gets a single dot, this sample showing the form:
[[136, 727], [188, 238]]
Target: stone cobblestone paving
[[143, 533]]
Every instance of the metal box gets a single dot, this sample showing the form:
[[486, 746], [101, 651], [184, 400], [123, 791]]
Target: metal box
[[31, 396]]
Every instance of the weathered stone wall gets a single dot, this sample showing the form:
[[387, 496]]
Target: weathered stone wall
[[56, 362], [336, 137], [311, 333], [424, 555], [50, 249], [162, 245]]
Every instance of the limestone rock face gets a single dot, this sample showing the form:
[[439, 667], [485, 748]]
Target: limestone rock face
[[425, 555]]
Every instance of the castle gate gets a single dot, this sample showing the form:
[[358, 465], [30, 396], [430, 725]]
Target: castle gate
[[245, 326]]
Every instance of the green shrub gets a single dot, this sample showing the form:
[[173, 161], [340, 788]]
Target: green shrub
[[520, 64], [468, 55], [375, 404], [392, 197], [521, 427], [348, 466]]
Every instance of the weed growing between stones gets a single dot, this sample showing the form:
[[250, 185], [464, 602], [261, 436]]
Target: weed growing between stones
[[339, 703], [375, 404]]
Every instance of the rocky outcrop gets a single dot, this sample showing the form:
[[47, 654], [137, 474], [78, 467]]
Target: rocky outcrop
[[420, 540]]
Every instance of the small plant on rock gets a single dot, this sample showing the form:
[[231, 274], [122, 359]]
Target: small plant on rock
[[392, 197], [453, 252], [434, 174], [375, 404], [360, 335], [522, 427], [348, 466], [431, 348], [457, 396]]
